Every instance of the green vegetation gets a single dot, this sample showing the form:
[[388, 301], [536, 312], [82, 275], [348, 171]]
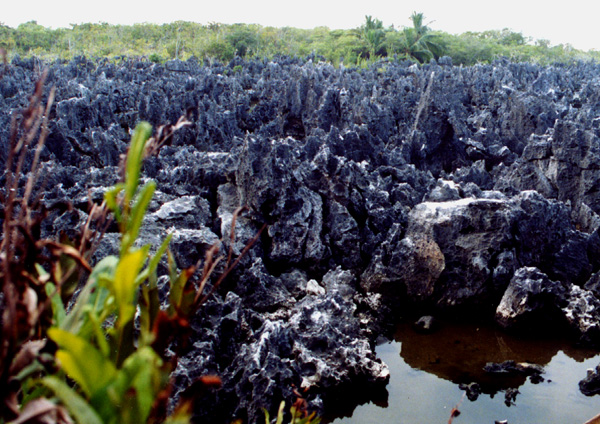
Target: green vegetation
[[418, 42], [96, 369], [182, 40], [373, 35], [298, 414], [118, 375]]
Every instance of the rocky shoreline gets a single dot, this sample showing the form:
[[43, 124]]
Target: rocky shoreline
[[433, 189]]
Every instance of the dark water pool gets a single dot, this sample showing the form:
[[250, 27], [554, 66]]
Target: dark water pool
[[426, 371]]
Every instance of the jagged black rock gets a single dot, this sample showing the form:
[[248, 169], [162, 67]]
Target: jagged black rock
[[460, 189]]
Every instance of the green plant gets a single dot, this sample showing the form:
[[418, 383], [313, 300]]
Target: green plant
[[155, 58], [243, 39], [118, 376], [374, 35], [418, 43], [220, 50], [298, 414]]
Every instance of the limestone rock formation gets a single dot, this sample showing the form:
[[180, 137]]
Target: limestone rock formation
[[469, 189]]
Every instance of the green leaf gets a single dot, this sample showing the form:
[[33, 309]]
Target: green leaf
[[149, 306], [58, 308], [182, 295], [82, 362], [111, 197], [122, 340], [150, 301], [124, 285], [179, 419], [131, 394], [91, 299], [98, 332], [77, 406], [155, 260], [280, 413], [43, 275], [69, 268], [176, 284], [135, 157], [141, 205], [137, 216], [143, 369]]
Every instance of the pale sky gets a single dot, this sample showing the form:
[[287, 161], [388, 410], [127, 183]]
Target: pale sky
[[575, 22]]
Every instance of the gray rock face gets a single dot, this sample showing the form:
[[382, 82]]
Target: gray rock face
[[447, 189], [412, 265], [470, 234], [468, 249], [583, 314], [533, 301], [530, 299]]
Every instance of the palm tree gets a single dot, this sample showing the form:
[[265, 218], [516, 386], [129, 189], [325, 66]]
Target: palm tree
[[373, 34], [419, 43]]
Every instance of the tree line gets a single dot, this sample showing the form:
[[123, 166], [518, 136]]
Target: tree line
[[215, 41]]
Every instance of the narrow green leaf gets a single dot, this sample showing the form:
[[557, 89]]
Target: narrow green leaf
[[280, 413], [122, 341], [150, 300], [132, 392], [70, 268], [176, 288], [111, 197], [126, 243], [155, 260], [82, 362], [135, 157], [141, 205], [58, 308], [180, 296], [147, 315], [136, 218], [125, 282], [91, 298], [35, 368], [144, 369], [43, 275], [96, 325], [77, 406], [188, 297]]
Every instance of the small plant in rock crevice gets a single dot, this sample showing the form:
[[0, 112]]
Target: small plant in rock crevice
[[298, 413]]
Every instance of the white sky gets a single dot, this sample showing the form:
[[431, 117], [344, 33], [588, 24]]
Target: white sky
[[576, 22]]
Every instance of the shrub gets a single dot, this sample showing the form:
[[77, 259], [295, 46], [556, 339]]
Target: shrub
[[220, 50], [154, 57]]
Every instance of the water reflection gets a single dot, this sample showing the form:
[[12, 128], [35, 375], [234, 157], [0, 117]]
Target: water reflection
[[426, 371], [458, 352]]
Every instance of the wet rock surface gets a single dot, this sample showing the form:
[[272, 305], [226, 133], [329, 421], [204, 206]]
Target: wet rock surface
[[444, 189], [590, 385]]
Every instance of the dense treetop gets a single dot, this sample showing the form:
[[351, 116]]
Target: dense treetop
[[182, 40]]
